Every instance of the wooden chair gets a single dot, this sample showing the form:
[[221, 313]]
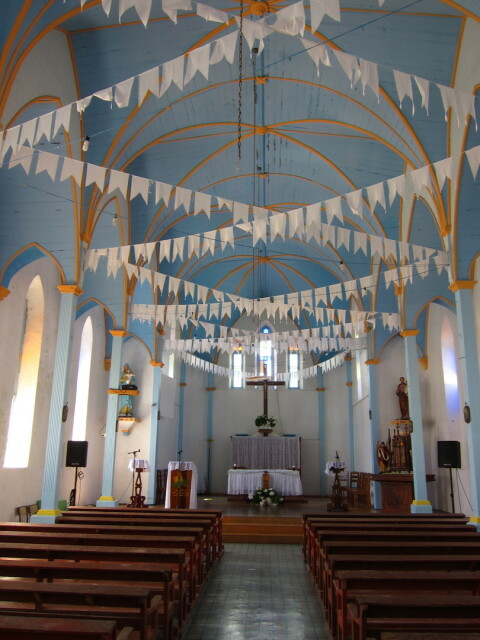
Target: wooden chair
[[161, 486], [22, 513], [358, 493]]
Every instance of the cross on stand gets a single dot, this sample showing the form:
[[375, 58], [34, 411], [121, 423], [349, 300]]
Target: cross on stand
[[263, 382]]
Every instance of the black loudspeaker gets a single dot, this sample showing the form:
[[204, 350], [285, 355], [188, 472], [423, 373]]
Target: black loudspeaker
[[76, 453], [448, 452]]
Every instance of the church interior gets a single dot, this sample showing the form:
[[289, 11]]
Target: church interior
[[240, 253]]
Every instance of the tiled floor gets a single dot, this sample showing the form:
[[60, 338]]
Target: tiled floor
[[259, 592]]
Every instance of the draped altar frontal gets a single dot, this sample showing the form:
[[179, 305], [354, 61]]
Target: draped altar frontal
[[252, 452], [244, 481]]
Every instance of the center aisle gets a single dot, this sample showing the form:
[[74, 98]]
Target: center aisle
[[259, 592]]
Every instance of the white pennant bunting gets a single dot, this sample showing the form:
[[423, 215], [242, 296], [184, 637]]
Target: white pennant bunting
[[118, 180], [211, 14], [123, 91], [72, 169], [97, 175], [139, 186]]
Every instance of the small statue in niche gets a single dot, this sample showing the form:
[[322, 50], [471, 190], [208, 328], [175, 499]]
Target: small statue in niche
[[402, 394], [127, 378]]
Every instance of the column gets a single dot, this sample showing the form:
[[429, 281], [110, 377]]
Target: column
[[469, 367], [49, 510], [210, 389], [351, 437], [107, 499], [374, 427], [324, 487], [421, 504], [154, 431], [181, 406]]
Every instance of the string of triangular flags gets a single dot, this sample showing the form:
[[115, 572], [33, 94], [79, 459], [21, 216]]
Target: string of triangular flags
[[303, 222], [331, 323], [308, 372], [279, 307], [181, 70]]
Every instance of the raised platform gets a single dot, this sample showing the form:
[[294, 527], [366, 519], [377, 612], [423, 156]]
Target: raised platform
[[264, 529]]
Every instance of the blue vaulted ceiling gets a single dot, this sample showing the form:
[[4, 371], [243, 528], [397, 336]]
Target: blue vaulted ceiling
[[290, 137]]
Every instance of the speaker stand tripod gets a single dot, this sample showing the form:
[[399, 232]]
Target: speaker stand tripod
[[73, 492], [451, 488]]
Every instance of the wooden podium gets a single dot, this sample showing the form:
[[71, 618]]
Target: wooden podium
[[137, 467], [181, 489]]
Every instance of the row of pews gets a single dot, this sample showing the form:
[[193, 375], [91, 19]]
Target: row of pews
[[397, 573], [106, 574]]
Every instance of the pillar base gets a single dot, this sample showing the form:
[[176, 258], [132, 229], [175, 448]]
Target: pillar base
[[45, 516], [107, 501], [421, 506]]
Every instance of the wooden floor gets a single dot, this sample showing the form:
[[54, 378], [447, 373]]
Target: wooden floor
[[247, 523]]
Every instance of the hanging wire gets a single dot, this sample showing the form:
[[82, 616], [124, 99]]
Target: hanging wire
[[240, 85]]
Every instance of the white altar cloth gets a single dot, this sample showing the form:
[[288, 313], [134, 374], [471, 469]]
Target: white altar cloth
[[138, 463], [183, 466], [286, 482]]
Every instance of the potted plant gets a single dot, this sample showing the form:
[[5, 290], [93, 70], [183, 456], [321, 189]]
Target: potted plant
[[265, 424], [265, 497]]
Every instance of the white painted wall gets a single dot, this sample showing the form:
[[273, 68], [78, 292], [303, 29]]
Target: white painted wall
[[23, 486]]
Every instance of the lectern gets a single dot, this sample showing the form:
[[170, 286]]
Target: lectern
[[138, 466], [181, 490]]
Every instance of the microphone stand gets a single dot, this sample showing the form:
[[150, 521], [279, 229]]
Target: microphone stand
[[134, 454]]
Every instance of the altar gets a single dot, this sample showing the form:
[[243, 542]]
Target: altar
[[253, 452], [244, 481]]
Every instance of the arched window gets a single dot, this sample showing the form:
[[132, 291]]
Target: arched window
[[83, 382], [237, 366], [22, 409], [265, 356], [293, 368], [449, 363]]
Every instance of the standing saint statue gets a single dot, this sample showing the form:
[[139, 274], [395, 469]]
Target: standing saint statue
[[402, 395]]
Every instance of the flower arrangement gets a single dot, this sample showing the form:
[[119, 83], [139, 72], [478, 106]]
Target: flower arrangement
[[265, 497], [264, 422]]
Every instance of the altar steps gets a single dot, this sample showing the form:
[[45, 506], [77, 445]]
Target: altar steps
[[263, 529]]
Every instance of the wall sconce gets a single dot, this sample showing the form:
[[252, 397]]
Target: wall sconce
[[86, 143], [114, 220], [466, 414]]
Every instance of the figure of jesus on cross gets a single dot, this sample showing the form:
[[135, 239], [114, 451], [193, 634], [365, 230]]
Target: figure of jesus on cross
[[262, 381]]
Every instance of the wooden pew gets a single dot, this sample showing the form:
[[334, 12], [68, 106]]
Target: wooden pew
[[371, 615], [20, 628], [186, 515], [129, 605], [171, 559], [54, 536], [314, 526], [370, 548], [382, 536], [152, 575], [133, 520], [395, 562], [348, 585], [94, 528], [215, 515]]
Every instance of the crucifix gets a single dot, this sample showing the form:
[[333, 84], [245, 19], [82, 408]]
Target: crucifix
[[263, 382]]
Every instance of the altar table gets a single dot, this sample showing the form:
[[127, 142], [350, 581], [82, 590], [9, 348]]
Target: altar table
[[243, 481]]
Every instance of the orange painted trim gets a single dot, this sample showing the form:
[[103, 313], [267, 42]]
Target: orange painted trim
[[462, 284], [4, 292], [210, 388], [372, 361], [182, 384], [121, 333], [423, 362], [70, 288], [348, 384], [107, 363], [320, 389], [154, 363], [409, 332]]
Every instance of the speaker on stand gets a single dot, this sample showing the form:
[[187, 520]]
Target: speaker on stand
[[449, 457], [76, 457]]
